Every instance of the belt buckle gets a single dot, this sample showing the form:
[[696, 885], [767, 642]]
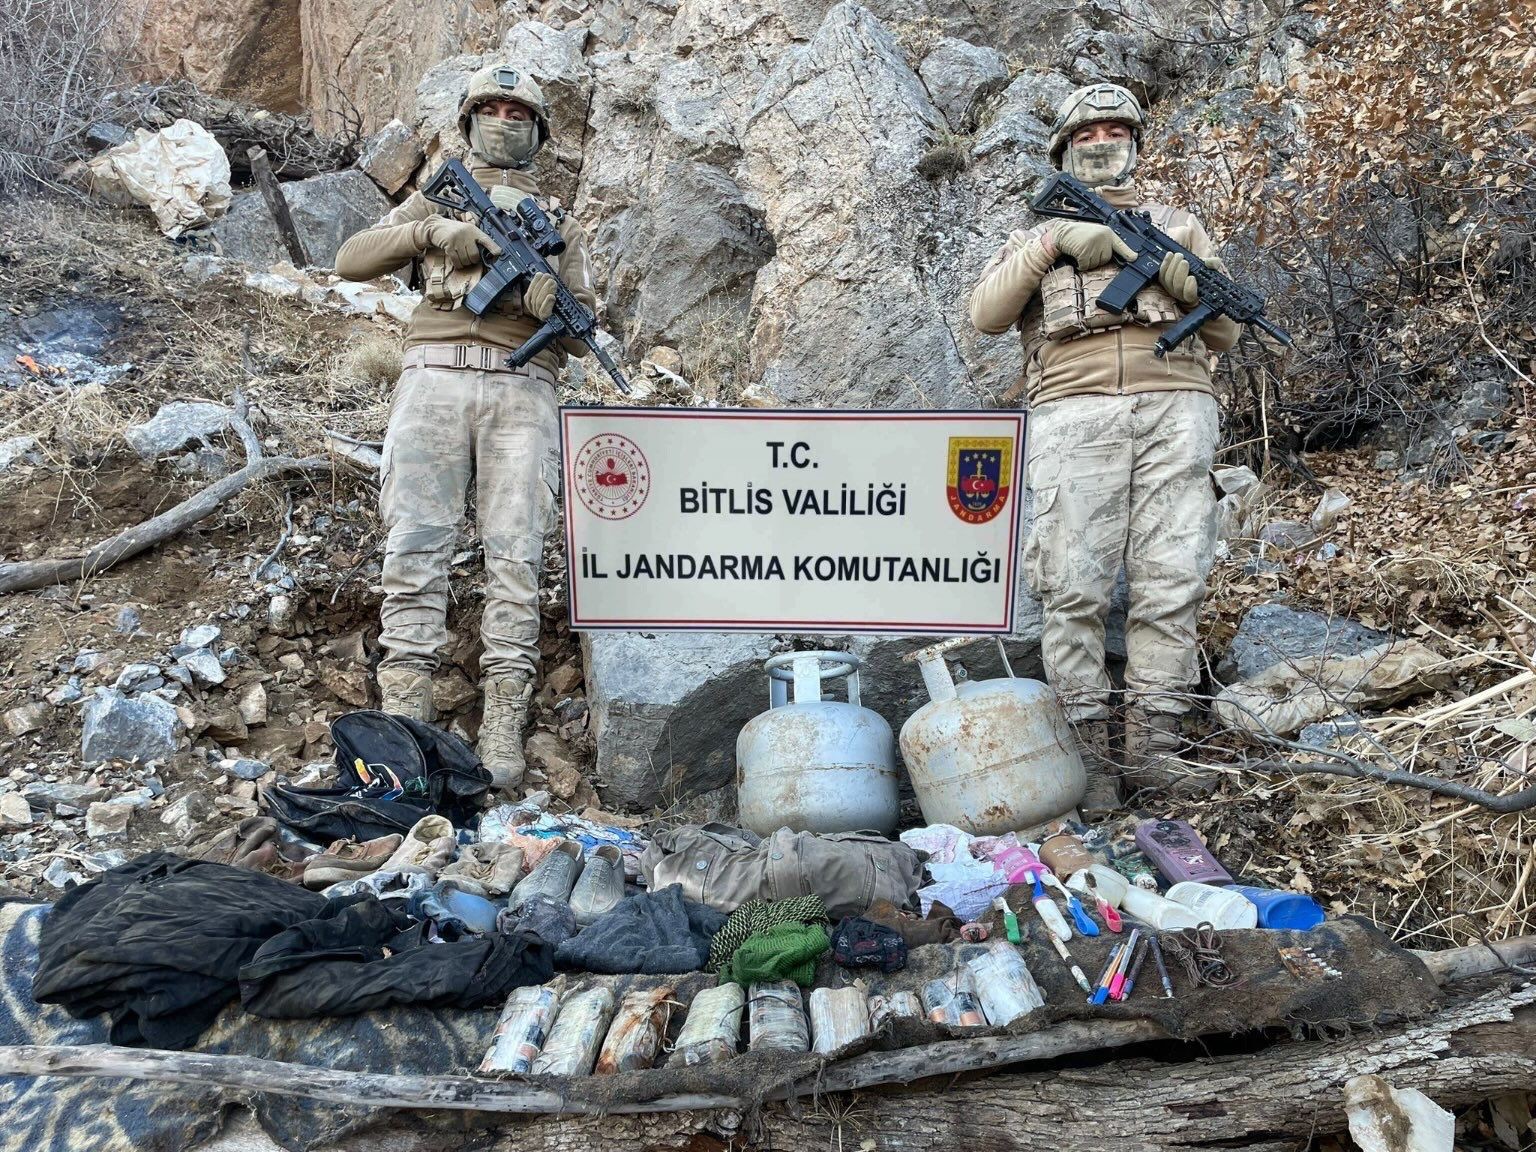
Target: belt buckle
[[461, 356]]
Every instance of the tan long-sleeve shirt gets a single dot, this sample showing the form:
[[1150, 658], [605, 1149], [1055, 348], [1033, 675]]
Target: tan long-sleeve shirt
[[441, 317], [1099, 354]]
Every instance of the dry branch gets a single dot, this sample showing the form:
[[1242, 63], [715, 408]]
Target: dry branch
[[1276, 1099], [24, 574], [903, 1066]]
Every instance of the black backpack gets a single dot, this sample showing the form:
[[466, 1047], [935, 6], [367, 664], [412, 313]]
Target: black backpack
[[438, 773]]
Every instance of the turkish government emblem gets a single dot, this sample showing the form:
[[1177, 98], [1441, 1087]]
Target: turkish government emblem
[[980, 473], [612, 476]]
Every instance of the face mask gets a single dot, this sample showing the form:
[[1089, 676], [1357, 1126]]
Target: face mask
[[1108, 163], [504, 143]]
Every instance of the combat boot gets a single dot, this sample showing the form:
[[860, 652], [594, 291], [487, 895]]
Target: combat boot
[[406, 692], [1152, 755], [501, 730], [1103, 793]]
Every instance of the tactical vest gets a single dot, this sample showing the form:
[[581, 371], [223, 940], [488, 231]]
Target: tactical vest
[[1064, 308], [445, 286]]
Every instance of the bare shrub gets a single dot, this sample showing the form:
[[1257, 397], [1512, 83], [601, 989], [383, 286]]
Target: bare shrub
[[59, 62], [1383, 198]]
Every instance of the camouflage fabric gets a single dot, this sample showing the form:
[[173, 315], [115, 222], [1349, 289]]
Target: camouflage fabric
[[1122, 480], [446, 427]]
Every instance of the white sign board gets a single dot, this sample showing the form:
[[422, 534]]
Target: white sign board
[[752, 520]]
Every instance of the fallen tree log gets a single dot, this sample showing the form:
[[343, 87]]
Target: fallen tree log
[[1276, 1100], [21, 575]]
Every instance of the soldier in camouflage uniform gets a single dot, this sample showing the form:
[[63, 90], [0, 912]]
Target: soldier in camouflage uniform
[[459, 414], [1120, 446]]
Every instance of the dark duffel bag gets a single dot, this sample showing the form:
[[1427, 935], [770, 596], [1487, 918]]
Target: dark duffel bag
[[436, 773]]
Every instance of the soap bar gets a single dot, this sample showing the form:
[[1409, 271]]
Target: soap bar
[[1177, 851]]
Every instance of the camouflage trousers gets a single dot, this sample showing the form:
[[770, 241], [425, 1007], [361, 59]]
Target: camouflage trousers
[[1122, 480], [448, 427]]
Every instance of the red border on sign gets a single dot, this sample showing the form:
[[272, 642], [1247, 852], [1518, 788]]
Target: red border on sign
[[1016, 418]]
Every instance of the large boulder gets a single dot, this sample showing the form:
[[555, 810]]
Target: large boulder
[[1272, 633], [667, 707], [375, 51], [956, 72], [326, 210], [118, 727], [846, 313], [252, 49]]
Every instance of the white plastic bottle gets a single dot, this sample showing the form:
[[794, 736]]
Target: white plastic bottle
[[1220, 907]]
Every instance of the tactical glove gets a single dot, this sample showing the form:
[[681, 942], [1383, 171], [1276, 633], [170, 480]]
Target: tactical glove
[[539, 297], [1089, 245], [459, 240], [1178, 281]]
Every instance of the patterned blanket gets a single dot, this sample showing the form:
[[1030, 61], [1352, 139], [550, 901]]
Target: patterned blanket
[[78, 1114]]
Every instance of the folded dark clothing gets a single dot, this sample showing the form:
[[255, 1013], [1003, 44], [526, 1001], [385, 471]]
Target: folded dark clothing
[[650, 932], [362, 953], [159, 942]]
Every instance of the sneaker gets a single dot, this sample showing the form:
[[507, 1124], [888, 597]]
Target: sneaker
[[349, 860], [228, 846], [269, 860], [428, 847], [454, 911], [489, 869], [554, 876], [601, 886]]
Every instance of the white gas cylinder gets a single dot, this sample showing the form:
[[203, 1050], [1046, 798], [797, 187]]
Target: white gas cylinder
[[989, 756], [811, 764]]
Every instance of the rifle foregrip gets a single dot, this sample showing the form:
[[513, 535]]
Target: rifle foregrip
[[1183, 329], [536, 343]]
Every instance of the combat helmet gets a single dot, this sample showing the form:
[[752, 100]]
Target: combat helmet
[[1090, 105], [503, 82]]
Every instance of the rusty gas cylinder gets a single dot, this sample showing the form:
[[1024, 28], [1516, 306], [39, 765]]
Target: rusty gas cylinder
[[989, 756], [811, 764]]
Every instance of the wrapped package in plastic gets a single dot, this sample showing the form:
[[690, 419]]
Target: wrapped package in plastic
[[525, 1021], [1004, 984], [839, 1016], [893, 1006], [952, 1000], [635, 1036], [577, 1035], [776, 1018], [712, 1028]]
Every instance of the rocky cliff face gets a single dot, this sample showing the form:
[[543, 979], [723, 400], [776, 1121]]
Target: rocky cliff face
[[795, 195]]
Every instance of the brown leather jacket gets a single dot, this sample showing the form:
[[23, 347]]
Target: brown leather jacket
[[441, 318], [1072, 348]]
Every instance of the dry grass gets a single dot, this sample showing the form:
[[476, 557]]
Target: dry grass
[[186, 341]]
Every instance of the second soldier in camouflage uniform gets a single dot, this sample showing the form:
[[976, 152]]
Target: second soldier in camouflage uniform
[[1120, 446], [459, 415]]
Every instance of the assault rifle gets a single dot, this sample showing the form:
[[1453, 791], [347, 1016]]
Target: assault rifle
[[527, 238], [1068, 198]]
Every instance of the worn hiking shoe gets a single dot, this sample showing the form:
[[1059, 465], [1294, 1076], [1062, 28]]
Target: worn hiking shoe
[[1152, 755], [601, 886], [554, 876], [501, 731], [428, 847], [1102, 795], [406, 692], [349, 860], [489, 869]]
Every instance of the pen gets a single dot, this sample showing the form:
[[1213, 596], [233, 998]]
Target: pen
[[1118, 982], [1130, 981], [1162, 968], [1066, 956]]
